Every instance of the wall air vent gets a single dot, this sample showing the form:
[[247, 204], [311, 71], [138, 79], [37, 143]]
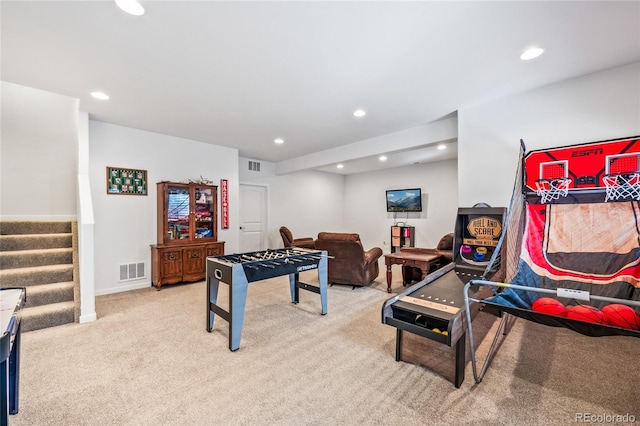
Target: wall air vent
[[254, 166], [132, 271]]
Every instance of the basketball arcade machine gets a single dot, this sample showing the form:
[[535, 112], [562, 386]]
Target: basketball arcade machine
[[238, 270], [434, 308], [587, 254]]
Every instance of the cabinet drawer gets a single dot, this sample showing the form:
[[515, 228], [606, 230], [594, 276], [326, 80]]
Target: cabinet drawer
[[193, 253], [395, 231], [172, 255], [215, 250]]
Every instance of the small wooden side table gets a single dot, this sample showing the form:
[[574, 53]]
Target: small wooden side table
[[419, 258]]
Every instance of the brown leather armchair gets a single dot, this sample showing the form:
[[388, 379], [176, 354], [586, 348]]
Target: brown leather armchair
[[289, 241], [349, 262], [444, 249]]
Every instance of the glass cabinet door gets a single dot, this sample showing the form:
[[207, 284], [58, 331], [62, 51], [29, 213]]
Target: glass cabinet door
[[178, 224], [203, 212]]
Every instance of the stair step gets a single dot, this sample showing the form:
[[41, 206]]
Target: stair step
[[39, 255], [25, 277], [9, 227], [44, 294], [45, 316], [34, 241], [31, 258]]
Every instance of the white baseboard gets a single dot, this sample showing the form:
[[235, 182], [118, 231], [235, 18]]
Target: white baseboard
[[87, 318], [40, 217], [121, 288]]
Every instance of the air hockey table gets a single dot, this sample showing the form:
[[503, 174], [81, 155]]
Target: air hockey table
[[238, 270], [11, 301]]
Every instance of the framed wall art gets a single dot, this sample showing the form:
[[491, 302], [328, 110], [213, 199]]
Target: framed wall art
[[126, 181]]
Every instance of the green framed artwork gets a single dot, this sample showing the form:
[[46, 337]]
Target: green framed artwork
[[126, 181]]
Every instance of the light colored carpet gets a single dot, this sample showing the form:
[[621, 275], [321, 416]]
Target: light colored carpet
[[148, 360]]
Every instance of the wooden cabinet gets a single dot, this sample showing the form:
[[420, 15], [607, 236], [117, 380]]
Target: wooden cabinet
[[187, 212], [173, 263], [187, 232], [402, 236]]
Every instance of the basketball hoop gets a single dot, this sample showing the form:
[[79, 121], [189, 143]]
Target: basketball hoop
[[622, 186], [552, 189]]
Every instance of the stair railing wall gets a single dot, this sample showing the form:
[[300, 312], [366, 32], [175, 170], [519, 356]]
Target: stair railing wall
[[86, 223]]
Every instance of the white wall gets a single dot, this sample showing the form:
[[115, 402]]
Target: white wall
[[306, 202], [311, 202], [126, 224], [365, 205], [38, 161], [600, 106]]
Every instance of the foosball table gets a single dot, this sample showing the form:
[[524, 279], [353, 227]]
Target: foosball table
[[238, 270]]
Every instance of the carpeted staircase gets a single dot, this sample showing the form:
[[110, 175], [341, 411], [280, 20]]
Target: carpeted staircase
[[41, 256]]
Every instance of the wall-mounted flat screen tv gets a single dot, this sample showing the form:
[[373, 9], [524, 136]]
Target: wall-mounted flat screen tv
[[404, 200]]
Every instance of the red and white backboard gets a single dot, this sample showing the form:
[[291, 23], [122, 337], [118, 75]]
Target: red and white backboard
[[585, 165]]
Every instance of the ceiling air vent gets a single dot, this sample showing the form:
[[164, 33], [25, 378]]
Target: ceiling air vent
[[254, 166]]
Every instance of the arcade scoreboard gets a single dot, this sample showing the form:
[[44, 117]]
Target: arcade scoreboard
[[434, 307], [11, 301], [238, 270]]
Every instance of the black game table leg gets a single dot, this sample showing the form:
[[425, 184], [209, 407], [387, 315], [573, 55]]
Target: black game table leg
[[212, 299], [460, 360], [14, 372]]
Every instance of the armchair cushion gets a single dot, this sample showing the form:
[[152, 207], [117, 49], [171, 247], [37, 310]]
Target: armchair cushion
[[349, 262], [289, 241], [445, 247]]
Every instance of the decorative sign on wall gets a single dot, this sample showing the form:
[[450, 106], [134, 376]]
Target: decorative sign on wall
[[126, 181], [224, 203]]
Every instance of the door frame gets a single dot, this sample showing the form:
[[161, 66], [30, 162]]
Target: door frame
[[265, 241]]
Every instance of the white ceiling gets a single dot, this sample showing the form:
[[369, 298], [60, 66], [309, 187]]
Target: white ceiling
[[240, 74]]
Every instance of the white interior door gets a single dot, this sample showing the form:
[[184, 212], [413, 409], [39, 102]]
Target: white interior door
[[253, 218]]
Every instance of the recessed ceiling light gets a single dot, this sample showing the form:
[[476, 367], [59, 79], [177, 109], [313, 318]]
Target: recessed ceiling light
[[383, 158], [532, 52], [100, 95], [279, 141], [340, 166], [131, 6], [359, 113], [442, 146]]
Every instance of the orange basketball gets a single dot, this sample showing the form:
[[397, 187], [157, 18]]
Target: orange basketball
[[586, 313], [619, 315], [549, 306]]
